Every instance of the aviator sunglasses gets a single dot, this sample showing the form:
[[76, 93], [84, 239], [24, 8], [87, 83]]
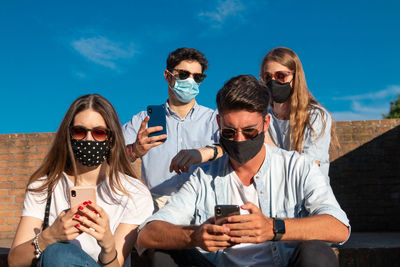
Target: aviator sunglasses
[[280, 76], [99, 133], [184, 74], [229, 133]]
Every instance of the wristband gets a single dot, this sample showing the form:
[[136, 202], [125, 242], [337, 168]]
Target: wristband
[[107, 263], [215, 152]]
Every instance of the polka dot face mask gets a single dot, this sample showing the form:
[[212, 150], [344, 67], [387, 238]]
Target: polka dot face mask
[[90, 153]]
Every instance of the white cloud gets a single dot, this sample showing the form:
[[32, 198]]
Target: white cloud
[[224, 10], [388, 92], [361, 111], [103, 51]]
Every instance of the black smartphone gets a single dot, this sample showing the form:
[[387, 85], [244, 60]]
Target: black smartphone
[[222, 211], [157, 118]]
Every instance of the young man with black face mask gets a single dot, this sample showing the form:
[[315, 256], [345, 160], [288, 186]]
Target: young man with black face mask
[[165, 165], [283, 197]]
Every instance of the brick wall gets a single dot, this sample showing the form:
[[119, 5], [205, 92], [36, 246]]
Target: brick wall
[[364, 173]]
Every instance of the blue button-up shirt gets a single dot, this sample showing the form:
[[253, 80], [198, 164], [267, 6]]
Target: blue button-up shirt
[[198, 129], [289, 185]]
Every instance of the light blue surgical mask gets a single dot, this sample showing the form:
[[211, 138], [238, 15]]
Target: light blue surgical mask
[[185, 90]]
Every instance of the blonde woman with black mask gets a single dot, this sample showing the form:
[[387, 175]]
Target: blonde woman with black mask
[[298, 121], [88, 150]]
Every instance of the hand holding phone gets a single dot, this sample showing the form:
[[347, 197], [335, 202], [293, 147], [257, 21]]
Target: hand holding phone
[[223, 211]]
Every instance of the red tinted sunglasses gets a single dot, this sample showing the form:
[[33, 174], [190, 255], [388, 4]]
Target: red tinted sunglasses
[[99, 133], [279, 76]]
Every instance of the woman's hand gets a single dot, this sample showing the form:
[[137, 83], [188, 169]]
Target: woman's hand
[[94, 221], [63, 228]]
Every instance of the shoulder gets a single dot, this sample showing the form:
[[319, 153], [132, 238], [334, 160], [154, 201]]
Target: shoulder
[[133, 185], [208, 171], [289, 159]]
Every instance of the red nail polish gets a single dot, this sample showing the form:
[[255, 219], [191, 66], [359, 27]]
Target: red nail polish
[[96, 212], [76, 216], [90, 202], [85, 203], [80, 207], [77, 225]]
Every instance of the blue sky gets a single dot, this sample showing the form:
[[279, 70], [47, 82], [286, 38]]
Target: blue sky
[[51, 52]]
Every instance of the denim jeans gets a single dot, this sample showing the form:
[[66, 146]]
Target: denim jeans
[[64, 254]]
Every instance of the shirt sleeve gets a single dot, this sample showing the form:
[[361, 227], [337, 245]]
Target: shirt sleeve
[[319, 197], [180, 207], [34, 203], [140, 204], [215, 127], [317, 142], [131, 128]]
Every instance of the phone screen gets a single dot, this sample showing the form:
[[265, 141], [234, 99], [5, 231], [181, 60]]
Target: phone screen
[[157, 118]]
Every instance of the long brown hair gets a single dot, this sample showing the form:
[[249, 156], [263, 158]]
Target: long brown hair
[[60, 157], [302, 102]]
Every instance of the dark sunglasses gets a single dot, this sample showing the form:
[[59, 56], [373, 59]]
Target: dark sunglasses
[[99, 133], [279, 76], [229, 133], [184, 74]]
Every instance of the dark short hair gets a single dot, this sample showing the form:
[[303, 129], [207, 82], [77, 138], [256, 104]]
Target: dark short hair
[[243, 92], [184, 53]]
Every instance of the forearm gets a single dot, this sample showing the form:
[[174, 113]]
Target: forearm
[[320, 227], [24, 254], [163, 235]]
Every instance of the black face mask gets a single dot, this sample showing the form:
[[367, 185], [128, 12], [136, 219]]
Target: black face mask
[[280, 92], [243, 151], [90, 153]]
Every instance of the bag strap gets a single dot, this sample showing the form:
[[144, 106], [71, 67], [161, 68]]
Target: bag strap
[[47, 211]]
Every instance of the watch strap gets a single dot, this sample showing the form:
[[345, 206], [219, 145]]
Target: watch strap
[[215, 152], [279, 229]]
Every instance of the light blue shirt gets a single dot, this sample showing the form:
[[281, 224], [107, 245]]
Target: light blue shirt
[[314, 144], [289, 185], [198, 129]]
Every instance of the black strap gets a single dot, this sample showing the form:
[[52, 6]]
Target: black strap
[[47, 211]]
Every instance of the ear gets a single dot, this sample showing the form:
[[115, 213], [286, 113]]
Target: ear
[[267, 120], [218, 121], [168, 78]]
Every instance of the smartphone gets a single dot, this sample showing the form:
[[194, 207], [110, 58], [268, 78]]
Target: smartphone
[[79, 194], [222, 211], [157, 118]]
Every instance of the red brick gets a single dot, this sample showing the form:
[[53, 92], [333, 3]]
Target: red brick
[[43, 149], [17, 213], [18, 178], [19, 199], [3, 206], [13, 221], [16, 150], [15, 206], [17, 192], [3, 164], [6, 185], [39, 142], [4, 228], [3, 221], [19, 185], [6, 214], [22, 164], [4, 136], [3, 192], [6, 199], [5, 157], [7, 171], [21, 142]]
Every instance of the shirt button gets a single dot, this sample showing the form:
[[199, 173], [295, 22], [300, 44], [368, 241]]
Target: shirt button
[[257, 177], [180, 140], [261, 192]]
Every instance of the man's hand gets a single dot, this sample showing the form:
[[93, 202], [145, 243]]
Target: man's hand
[[143, 142], [252, 228], [211, 237], [188, 157]]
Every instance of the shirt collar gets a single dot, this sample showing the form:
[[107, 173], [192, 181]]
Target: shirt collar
[[191, 115]]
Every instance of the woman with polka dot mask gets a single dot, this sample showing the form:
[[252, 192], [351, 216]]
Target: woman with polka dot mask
[[88, 150]]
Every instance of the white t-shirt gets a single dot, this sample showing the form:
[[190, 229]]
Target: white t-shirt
[[120, 208], [246, 254]]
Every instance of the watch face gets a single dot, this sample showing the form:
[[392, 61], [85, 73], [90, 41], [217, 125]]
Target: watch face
[[279, 226]]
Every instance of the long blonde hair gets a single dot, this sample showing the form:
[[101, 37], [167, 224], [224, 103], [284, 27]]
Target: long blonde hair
[[60, 157], [302, 102]]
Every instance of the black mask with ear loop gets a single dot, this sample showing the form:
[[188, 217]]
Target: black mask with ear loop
[[280, 92]]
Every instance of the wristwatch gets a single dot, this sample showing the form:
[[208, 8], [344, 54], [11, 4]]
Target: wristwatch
[[279, 229], [215, 152]]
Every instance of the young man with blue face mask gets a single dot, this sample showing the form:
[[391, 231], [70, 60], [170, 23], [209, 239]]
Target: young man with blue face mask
[[165, 165], [287, 205]]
